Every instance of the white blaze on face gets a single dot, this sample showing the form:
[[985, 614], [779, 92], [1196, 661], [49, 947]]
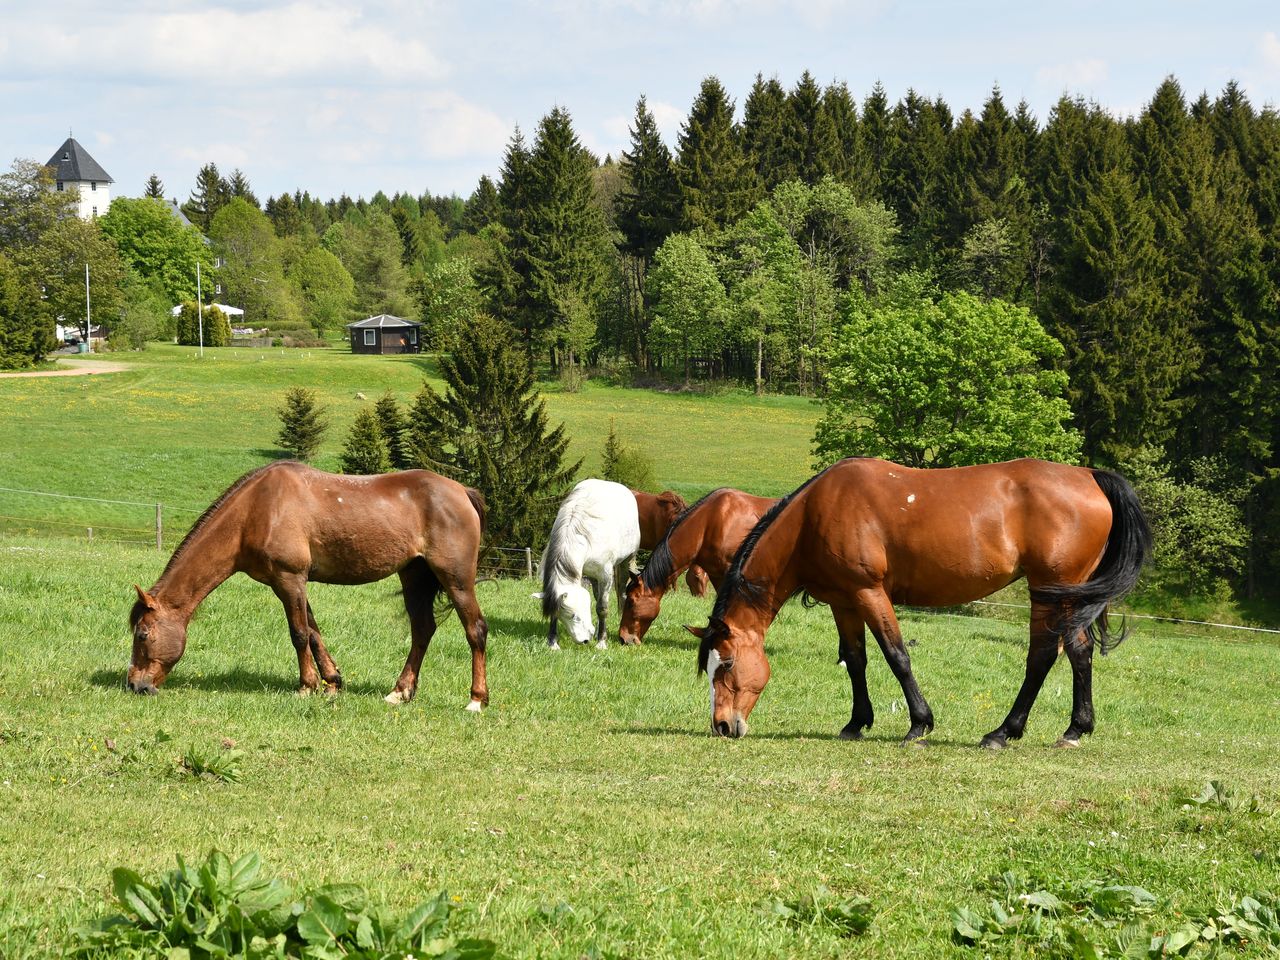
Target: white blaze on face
[[713, 664]]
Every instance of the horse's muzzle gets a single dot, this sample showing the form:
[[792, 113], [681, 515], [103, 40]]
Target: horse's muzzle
[[735, 728], [144, 687]]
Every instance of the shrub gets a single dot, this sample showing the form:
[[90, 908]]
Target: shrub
[[365, 450], [302, 423], [217, 328], [625, 465]]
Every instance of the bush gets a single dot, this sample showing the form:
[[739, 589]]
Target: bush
[[365, 451], [302, 423], [625, 465], [217, 328]]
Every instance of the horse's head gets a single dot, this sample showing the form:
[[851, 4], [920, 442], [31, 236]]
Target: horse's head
[[159, 638], [573, 608], [734, 661], [639, 610]]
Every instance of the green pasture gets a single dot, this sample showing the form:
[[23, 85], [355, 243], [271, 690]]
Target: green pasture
[[588, 812], [178, 430]]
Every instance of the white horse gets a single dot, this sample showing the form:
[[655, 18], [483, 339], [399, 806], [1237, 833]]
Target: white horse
[[595, 537]]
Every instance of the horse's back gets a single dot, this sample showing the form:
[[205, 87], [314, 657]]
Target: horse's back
[[597, 523], [942, 536]]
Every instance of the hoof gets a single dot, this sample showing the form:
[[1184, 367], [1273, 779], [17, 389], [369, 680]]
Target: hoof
[[1065, 743], [553, 646], [475, 706], [306, 691], [397, 697], [917, 742], [851, 733], [993, 743], [603, 644]]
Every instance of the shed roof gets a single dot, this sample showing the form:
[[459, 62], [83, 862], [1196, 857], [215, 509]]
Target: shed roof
[[72, 163], [383, 320]]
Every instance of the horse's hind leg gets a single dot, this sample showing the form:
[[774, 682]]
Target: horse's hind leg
[[420, 586], [853, 655], [1041, 654], [328, 669], [1080, 653], [292, 593], [461, 589], [876, 610]]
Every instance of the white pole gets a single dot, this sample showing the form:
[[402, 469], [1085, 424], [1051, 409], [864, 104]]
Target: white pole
[[200, 307], [88, 313]]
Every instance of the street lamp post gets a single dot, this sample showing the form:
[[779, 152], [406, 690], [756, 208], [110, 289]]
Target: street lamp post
[[200, 307], [88, 314]]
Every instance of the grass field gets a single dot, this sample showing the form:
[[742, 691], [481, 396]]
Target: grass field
[[587, 813], [178, 430], [592, 781]]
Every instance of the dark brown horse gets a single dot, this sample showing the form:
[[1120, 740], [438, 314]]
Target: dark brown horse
[[658, 511], [287, 524], [866, 534], [708, 534]]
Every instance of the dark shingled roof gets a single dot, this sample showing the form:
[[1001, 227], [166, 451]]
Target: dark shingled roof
[[384, 320], [72, 163]]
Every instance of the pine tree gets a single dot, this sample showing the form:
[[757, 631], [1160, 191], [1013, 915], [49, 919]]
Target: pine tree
[[285, 215], [489, 431], [154, 188], [625, 464], [716, 180], [303, 423], [568, 239], [764, 133], [649, 205], [505, 278], [875, 142], [395, 431], [365, 451], [210, 195], [238, 186], [812, 144], [839, 106], [25, 336], [917, 158], [483, 206]]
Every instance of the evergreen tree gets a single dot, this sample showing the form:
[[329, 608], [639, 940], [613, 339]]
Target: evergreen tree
[[285, 215], [569, 243], [489, 431], [764, 132], [238, 186], [839, 106], [210, 195], [649, 206], [483, 206], [395, 431], [874, 138], [505, 275], [209, 326], [365, 451], [812, 144], [25, 335], [716, 179], [154, 189], [625, 464], [412, 251], [917, 159], [303, 423]]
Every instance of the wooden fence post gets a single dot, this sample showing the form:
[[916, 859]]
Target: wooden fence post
[[159, 530], [528, 562]]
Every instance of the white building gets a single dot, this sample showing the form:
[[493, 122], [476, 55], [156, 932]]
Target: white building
[[74, 169]]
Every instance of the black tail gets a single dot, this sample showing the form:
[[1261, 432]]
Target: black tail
[[481, 508], [1083, 606]]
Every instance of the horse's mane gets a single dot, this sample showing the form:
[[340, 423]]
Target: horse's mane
[[660, 569], [673, 498], [213, 508], [736, 585]]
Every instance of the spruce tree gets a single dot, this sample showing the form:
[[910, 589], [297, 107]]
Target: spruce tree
[[505, 277], [25, 336], [764, 132], [840, 107], [395, 431], [238, 186], [210, 195], [489, 431], [483, 206], [917, 157], [303, 423], [154, 189], [812, 145], [716, 179], [365, 451], [875, 141], [649, 205]]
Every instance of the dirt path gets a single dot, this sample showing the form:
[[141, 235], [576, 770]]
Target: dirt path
[[74, 368]]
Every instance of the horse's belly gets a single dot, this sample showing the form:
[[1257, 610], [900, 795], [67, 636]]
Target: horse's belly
[[350, 561]]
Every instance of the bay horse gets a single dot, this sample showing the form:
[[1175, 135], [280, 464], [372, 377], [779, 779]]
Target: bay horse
[[708, 534], [288, 524], [658, 511], [864, 535], [594, 538]]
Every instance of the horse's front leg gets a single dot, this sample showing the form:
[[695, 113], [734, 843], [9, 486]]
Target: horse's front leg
[[602, 586], [876, 610], [292, 593], [853, 656], [328, 669]]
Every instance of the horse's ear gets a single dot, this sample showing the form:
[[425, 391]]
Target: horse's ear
[[147, 599], [698, 632]]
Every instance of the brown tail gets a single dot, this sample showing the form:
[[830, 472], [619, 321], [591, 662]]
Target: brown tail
[[477, 501]]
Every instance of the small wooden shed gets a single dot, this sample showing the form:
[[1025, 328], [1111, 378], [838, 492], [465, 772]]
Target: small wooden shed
[[385, 334]]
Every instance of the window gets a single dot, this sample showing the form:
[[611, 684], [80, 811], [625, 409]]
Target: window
[[93, 185], [413, 334], [59, 186], [370, 338], [95, 211]]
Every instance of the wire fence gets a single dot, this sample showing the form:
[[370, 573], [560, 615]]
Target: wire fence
[[161, 526]]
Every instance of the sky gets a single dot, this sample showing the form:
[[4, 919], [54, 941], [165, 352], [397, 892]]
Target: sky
[[423, 95]]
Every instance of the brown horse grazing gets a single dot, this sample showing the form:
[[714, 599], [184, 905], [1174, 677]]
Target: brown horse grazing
[[866, 534], [658, 511], [708, 534], [286, 524]]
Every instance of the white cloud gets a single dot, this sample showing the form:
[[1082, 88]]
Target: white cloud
[[1270, 48], [1073, 75], [302, 41]]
